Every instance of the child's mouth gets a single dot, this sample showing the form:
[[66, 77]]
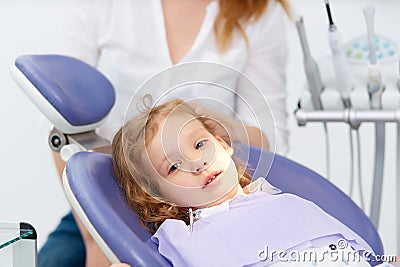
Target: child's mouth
[[211, 178]]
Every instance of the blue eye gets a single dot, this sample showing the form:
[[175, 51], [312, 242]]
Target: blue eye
[[201, 144], [173, 168]]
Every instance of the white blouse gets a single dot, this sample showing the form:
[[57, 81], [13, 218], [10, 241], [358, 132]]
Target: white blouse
[[126, 41]]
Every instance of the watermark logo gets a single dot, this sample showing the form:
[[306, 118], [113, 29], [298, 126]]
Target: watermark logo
[[342, 244], [341, 251]]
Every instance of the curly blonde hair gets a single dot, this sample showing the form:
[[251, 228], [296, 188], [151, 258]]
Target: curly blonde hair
[[234, 14], [127, 150]]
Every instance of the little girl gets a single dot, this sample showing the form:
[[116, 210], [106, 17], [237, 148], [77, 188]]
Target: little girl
[[180, 177]]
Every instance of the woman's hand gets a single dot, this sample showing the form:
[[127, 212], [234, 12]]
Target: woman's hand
[[120, 265]]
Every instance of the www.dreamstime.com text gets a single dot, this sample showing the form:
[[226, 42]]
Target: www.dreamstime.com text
[[339, 253]]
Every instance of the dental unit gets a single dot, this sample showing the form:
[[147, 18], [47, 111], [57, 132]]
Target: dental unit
[[362, 96]]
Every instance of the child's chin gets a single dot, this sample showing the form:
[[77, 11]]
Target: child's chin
[[211, 195]]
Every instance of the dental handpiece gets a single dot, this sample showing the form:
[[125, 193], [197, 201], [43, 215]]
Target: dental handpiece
[[310, 66], [343, 79]]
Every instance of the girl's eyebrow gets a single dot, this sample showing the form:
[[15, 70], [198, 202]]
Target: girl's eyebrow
[[198, 131], [201, 133]]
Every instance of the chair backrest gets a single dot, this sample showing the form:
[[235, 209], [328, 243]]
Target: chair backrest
[[91, 187], [74, 96]]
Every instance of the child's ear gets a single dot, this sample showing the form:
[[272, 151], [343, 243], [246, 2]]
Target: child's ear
[[228, 148]]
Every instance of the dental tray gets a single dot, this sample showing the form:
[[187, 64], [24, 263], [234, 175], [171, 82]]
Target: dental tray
[[357, 50]]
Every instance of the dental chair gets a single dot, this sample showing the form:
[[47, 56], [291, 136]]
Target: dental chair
[[76, 98]]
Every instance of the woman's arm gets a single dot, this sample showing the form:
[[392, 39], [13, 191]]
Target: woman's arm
[[266, 67], [257, 138]]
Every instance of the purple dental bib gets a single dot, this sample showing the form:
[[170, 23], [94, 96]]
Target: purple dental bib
[[253, 223]]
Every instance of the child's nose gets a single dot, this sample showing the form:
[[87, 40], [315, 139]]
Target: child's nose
[[199, 167]]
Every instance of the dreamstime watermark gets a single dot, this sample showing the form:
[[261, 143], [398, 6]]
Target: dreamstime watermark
[[339, 252]]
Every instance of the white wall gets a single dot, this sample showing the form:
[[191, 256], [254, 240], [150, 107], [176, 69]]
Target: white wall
[[29, 189]]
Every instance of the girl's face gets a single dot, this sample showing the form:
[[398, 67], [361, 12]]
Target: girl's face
[[193, 167]]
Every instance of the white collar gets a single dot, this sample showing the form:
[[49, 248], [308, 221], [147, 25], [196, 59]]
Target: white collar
[[259, 185]]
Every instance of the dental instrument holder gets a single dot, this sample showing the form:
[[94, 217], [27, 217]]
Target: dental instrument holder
[[354, 118], [344, 84], [383, 105], [351, 116], [66, 91]]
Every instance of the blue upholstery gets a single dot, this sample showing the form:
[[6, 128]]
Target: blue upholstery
[[93, 183], [71, 86]]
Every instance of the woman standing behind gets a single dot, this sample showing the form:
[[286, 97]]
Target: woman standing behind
[[131, 40]]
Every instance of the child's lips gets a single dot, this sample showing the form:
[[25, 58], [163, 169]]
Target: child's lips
[[211, 178]]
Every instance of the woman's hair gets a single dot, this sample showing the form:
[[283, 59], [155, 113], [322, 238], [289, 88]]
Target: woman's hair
[[128, 150], [234, 14]]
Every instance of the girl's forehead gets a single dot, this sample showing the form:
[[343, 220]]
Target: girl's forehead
[[178, 122], [174, 129]]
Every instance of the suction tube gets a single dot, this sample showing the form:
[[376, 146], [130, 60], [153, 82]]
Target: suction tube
[[375, 90]]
